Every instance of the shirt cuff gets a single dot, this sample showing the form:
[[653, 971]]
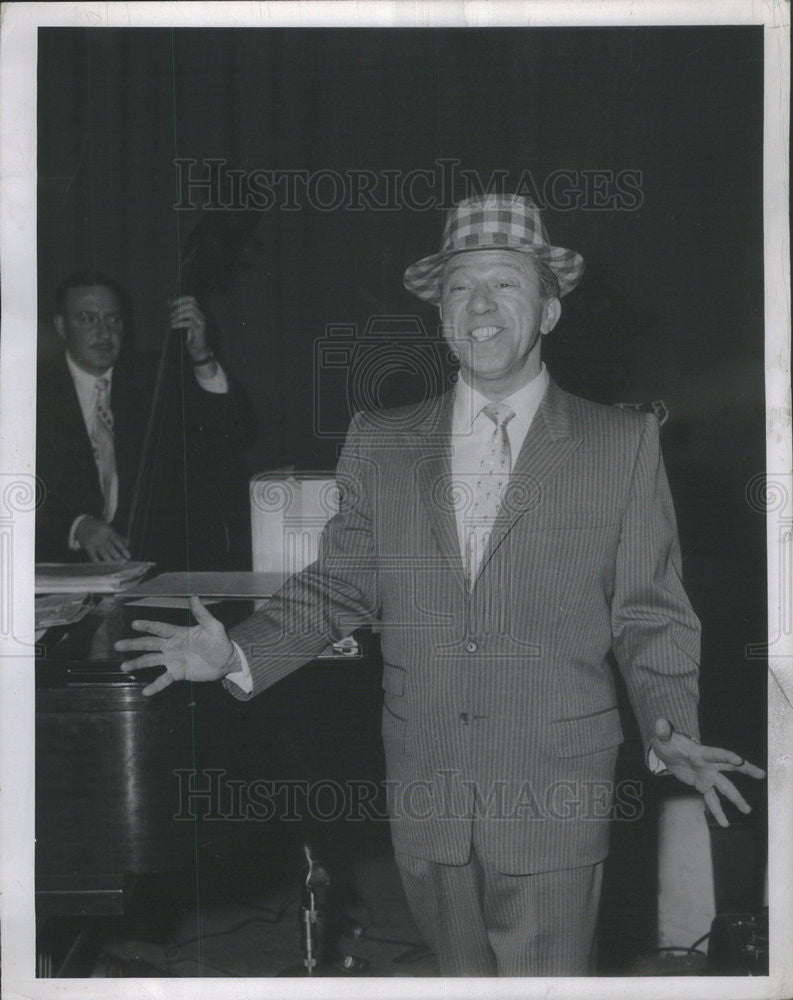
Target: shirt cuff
[[74, 545], [655, 763], [217, 383], [242, 677]]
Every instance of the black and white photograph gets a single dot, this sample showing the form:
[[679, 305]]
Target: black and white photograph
[[396, 500]]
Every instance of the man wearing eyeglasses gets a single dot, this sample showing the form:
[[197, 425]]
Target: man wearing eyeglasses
[[92, 417]]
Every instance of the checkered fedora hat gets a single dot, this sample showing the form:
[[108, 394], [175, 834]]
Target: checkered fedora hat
[[493, 222]]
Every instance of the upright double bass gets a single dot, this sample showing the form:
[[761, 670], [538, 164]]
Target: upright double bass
[[204, 460]]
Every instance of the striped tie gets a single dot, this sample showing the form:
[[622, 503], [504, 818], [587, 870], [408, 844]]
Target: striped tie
[[103, 447], [495, 467]]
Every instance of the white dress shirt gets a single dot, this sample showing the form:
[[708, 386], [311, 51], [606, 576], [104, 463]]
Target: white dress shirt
[[85, 387], [472, 431]]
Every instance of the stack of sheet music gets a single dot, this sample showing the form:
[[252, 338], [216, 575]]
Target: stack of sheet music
[[94, 578], [60, 609]]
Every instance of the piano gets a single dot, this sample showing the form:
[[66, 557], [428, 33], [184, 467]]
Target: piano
[[131, 788]]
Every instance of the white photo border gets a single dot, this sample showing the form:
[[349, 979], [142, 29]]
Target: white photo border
[[18, 199]]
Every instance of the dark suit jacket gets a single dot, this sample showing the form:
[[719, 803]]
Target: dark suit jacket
[[502, 692], [201, 496]]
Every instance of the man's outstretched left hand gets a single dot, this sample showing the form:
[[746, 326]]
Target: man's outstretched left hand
[[703, 767]]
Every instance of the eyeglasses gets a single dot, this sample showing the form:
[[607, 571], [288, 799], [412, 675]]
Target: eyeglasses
[[90, 320]]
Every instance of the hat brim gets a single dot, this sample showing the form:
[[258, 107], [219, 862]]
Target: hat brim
[[423, 278]]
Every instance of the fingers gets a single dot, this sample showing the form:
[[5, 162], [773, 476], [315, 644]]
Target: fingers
[[163, 629], [148, 642], [714, 805], [182, 308], [182, 302], [102, 543], [186, 313], [732, 761], [104, 551], [663, 730], [183, 314], [751, 769], [717, 755], [115, 547], [143, 662], [729, 791], [121, 550], [200, 612], [158, 684]]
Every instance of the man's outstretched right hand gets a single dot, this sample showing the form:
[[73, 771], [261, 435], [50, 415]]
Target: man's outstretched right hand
[[201, 652]]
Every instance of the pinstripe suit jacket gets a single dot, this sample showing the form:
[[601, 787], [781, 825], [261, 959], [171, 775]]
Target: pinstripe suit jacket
[[498, 698]]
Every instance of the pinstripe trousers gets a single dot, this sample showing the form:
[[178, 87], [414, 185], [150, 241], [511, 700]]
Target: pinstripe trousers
[[481, 922]]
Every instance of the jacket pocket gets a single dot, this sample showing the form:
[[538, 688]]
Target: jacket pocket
[[587, 733]]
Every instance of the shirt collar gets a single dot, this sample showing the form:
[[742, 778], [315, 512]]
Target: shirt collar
[[468, 402], [85, 380]]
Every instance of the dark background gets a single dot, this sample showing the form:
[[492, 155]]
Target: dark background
[[670, 307]]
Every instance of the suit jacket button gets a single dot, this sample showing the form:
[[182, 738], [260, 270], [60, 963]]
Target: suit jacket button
[[464, 718], [471, 646]]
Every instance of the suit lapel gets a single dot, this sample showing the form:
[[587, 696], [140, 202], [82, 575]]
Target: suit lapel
[[550, 442], [432, 439], [64, 408]]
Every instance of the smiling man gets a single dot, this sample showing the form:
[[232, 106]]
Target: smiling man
[[496, 306], [505, 539], [92, 413]]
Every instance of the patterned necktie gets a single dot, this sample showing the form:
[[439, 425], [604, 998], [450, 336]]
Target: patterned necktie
[[102, 444], [495, 467]]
